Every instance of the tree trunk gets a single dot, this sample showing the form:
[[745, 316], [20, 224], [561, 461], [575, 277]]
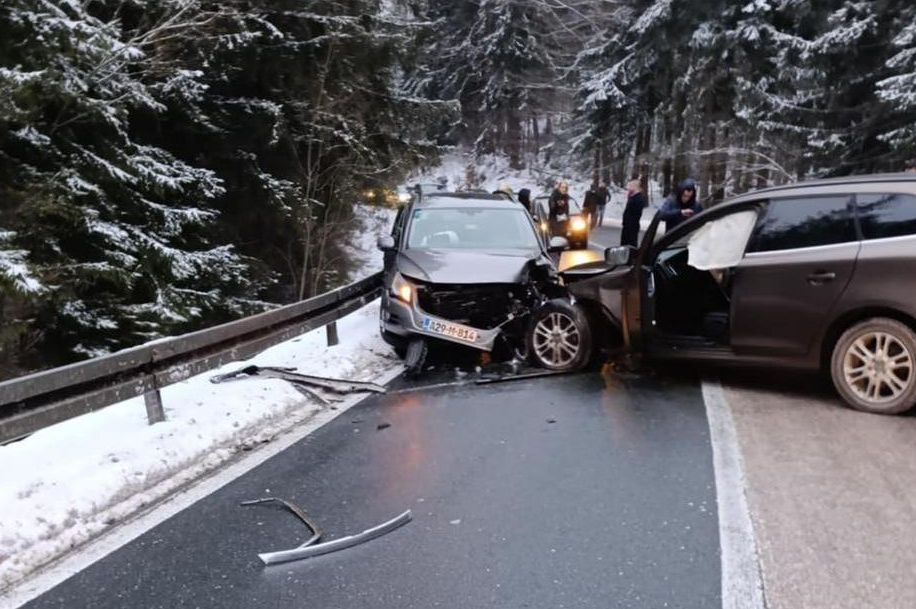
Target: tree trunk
[[514, 140]]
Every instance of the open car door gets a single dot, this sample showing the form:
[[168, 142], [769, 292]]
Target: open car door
[[683, 296]]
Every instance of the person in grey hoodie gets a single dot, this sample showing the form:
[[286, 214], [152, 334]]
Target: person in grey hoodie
[[680, 205]]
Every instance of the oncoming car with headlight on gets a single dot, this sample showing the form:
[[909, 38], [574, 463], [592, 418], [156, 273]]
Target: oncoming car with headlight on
[[471, 270], [577, 226]]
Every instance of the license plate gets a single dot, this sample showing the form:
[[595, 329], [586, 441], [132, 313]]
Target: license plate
[[451, 330]]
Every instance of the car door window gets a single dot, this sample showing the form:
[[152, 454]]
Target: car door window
[[886, 215], [804, 222]]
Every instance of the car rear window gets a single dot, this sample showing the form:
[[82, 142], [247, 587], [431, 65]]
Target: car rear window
[[804, 222], [887, 215]]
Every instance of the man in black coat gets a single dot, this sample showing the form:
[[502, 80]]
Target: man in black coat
[[524, 197], [591, 203], [603, 197], [680, 205], [632, 213]]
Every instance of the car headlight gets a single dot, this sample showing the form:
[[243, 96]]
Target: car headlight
[[402, 289], [577, 224], [404, 197]]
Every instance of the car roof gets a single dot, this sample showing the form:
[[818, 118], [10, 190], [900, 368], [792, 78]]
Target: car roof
[[837, 184], [466, 199]]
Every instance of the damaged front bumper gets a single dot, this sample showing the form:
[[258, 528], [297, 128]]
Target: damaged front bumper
[[406, 320]]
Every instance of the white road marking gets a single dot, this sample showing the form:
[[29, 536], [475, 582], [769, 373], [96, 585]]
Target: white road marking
[[742, 583], [56, 572]]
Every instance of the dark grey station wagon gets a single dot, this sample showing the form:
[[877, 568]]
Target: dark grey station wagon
[[819, 274]]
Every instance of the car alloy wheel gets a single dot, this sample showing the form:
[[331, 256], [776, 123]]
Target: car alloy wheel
[[873, 366], [559, 336], [878, 367], [557, 340]]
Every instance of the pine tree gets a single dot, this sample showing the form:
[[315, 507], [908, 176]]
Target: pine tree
[[898, 90], [109, 232]]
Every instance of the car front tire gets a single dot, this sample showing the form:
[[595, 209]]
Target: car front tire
[[873, 366], [559, 337]]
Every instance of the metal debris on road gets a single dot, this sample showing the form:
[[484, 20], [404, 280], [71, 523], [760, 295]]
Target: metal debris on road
[[310, 548], [505, 378], [339, 386], [297, 512]]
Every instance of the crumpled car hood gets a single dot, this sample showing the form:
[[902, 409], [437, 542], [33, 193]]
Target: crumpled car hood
[[448, 266]]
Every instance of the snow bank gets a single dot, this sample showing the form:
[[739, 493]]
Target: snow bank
[[371, 222], [67, 483]]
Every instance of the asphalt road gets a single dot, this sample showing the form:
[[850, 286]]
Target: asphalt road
[[578, 491], [605, 236], [830, 491]]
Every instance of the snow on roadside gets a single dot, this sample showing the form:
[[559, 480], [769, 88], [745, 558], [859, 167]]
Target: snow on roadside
[[371, 222], [65, 484]]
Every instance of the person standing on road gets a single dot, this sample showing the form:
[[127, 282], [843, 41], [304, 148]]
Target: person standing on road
[[590, 205], [524, 197], [558, 214], [603, 198], [632, 213], [680, 205]]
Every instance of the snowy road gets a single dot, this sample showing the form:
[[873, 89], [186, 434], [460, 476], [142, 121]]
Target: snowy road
[[585, 491]]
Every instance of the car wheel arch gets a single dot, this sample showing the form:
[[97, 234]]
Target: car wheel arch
[[853, 317]]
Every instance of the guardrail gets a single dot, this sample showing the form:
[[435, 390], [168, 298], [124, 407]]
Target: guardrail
[[39, 400]]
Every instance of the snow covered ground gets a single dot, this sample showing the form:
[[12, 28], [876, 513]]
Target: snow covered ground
[[64, 485], [372, 222]]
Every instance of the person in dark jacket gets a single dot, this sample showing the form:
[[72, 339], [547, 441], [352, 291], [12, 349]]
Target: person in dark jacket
[[632, 213], [681, 205], [558, 214], [524, 197], [603, 197], [590, 205]]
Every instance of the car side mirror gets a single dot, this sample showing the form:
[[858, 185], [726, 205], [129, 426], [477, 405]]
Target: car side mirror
[[619, 256], [386, 243], [557, 244]]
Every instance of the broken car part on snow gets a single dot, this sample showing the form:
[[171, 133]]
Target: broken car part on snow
[[308, 382], [310, 547]]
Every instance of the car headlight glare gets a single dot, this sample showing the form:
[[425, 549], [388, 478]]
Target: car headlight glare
[[402, 289], [577, 224]]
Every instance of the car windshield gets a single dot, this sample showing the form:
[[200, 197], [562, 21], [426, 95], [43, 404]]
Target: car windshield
[[454, 228]]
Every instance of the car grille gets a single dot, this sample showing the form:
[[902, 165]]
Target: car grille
[[480, 306]]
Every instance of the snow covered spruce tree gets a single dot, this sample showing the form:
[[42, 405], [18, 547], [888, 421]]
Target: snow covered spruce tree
[[821, 103], [105, 237], [164, 162], [898, 89], [506, 63], [307, 104], [744, 94]]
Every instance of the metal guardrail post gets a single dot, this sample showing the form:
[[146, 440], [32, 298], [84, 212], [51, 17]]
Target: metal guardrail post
[[153, 401], [333, 338]]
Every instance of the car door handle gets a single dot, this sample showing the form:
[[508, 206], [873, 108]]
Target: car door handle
[[821, 277]]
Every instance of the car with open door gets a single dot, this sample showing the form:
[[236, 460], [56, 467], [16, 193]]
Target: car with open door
[[470, 271], [575, 229], [817, 275]]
